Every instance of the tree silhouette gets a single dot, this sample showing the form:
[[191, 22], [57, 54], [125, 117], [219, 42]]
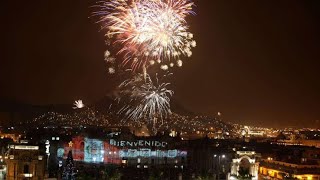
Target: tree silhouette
[[69, 169]]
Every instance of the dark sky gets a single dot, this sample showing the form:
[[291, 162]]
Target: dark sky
[[256, 61]]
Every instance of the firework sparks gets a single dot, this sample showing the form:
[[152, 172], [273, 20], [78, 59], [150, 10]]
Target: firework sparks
[[179, 63], [111, 70], [145, 98], [147, 30], [78, 104]]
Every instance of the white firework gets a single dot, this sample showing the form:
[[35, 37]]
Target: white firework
[[78, 104], [146, 29], [145, 99]]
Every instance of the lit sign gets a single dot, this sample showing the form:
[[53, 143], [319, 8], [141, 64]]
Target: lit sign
[[47, 147], [132, 153], [172, 153], [98, 151], [140, 143], [21, 147]]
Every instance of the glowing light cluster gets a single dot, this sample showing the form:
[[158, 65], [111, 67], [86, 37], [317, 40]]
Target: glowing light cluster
[[83, 117], [89, 117], [146, 31]]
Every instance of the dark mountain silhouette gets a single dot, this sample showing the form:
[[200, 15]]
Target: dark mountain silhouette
[[180, 109], [19, 113]]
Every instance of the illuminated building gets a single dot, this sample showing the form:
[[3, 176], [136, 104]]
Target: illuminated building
[[12, 136], [3, 167], [283, 170], [299, 142], [25, 162], [128, 151], [245, 161], [251, 132]]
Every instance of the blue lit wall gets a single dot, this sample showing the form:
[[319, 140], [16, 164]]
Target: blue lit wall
[[93, 150]]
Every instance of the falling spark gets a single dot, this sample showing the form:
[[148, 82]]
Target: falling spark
[[164, 67], [111, 70], [107, 54], [179, 63]]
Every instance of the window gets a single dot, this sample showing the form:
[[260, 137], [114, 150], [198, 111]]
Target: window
[[26, 169]]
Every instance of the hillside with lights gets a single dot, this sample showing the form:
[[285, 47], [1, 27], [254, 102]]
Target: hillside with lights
[[101, 114]]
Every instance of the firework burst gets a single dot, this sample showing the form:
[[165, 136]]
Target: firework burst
[[144, 99], [78, 104], [146, 31]]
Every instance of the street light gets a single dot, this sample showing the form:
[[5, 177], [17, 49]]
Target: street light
[[219, 161]]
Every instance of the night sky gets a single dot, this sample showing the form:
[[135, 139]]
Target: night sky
[[257, 62]]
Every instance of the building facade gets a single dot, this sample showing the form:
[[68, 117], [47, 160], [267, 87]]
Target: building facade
[[25, 162], [282, 170], [245, 165], [128, 151]]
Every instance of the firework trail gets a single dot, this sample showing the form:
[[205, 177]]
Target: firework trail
[[144, 99], [143, 32]]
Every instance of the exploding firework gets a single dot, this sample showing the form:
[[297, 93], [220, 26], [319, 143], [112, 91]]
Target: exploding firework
[[146, 31], [78, 104], [144, 99]]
